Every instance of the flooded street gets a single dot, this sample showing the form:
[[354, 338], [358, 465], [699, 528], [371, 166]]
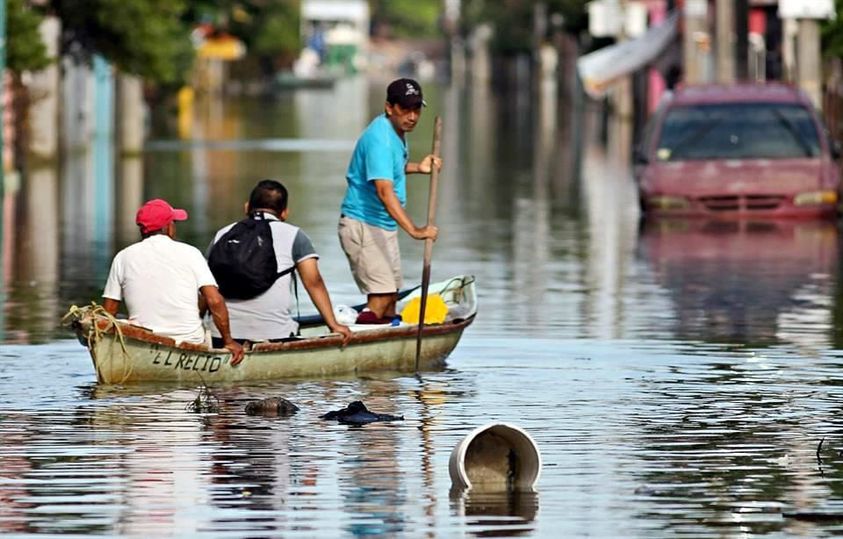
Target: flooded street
[[677, 376]]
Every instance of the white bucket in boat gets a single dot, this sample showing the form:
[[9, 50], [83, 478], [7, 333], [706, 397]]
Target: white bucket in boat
[[495, 457]]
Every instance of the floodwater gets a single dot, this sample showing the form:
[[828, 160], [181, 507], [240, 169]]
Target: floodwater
[[678, 377]]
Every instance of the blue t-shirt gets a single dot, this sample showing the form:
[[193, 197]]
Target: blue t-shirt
[[380, 154]]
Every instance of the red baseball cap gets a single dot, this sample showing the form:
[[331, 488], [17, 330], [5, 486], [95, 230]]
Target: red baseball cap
[[156, 214]]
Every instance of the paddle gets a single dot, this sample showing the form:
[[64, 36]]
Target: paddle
[[428, 243]]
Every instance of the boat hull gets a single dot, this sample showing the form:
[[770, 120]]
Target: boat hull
[[135, 360], [123, 353]]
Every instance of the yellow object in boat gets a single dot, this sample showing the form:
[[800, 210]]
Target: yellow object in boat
[[435, 310]]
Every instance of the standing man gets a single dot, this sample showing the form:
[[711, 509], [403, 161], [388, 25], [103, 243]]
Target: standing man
[[266, 316], [161, 281], [373, 207]]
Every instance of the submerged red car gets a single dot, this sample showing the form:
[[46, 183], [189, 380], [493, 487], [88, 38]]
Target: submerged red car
[[738, 151]]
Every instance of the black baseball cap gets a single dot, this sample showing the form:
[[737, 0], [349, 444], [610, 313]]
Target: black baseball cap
[[405, 92]]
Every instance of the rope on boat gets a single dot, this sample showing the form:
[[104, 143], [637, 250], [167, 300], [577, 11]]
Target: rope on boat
[[457, 283], [94, 335]]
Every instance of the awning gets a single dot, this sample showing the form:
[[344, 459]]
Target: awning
[[600, 69]]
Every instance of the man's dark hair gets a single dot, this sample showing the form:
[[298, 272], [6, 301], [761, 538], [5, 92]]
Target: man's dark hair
[[268, 195]]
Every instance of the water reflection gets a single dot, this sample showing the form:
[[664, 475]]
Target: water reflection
[[597, 337], [129, 198], [370, 479], [497, 514], [269, 474], [35, 236], [747, 282], [736, 438]]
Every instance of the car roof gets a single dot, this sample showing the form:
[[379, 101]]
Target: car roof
[[738, 93]]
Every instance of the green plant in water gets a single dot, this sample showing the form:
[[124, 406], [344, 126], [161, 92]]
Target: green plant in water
[[205, 402]]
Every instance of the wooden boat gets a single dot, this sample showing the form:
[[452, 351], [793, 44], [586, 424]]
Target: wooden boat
[[123, 353]]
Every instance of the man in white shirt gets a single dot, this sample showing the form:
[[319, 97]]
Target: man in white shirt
[[161, 281]]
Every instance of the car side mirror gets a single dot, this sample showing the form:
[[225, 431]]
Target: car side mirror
[[639, 156]]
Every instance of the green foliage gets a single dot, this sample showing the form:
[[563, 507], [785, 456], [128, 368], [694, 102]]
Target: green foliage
[[832, 33], [407, 18], [25, 49], [512, 20], [269, 29], [143, 37]]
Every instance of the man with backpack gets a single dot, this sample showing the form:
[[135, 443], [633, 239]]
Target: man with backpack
[[163, 282], [254, 261]]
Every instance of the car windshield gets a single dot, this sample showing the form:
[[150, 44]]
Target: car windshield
[[738, 131]]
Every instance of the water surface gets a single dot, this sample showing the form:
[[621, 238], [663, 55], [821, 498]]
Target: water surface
[[677, 376]]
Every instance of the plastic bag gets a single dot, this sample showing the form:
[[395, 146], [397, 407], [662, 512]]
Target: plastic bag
[[435, 310], [345, 315]]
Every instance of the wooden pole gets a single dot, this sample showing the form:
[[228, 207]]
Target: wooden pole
[[808, 60], [741, 14], [428, 243], [725, 43], [695, 21]]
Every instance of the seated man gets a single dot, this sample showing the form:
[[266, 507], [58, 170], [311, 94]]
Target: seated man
[[160, 280], [266, 316]]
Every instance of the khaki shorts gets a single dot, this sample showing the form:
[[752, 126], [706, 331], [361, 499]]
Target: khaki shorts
[[373, 256]]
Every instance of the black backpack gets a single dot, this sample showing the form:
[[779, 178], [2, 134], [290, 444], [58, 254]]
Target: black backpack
[[243, 260]]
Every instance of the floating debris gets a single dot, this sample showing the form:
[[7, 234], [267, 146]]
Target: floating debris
[[356, 413], [272, 406], [496, 457], [204, 403]]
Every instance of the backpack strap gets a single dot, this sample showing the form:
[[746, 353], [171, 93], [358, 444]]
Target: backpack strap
[[291, 271], [296, 293]]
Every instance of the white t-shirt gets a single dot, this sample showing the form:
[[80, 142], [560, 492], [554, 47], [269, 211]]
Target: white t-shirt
[[268, 316], [159, 280]]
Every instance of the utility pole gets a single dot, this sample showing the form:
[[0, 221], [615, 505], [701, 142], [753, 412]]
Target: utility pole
[[694, 41], [807, 14], [808, 68], [2, 123], [742, 39], [622, 93], [456, 47], [3, 283], [725, 46]]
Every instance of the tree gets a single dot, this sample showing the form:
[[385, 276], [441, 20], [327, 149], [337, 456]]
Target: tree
[[147, 38], [832, 33], [513, 20], [270, 30], [407, 18], [25, 50]]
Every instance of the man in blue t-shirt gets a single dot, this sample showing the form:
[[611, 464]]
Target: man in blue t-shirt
[[373, 207]]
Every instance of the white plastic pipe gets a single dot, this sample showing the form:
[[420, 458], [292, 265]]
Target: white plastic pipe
[[495, 457]]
